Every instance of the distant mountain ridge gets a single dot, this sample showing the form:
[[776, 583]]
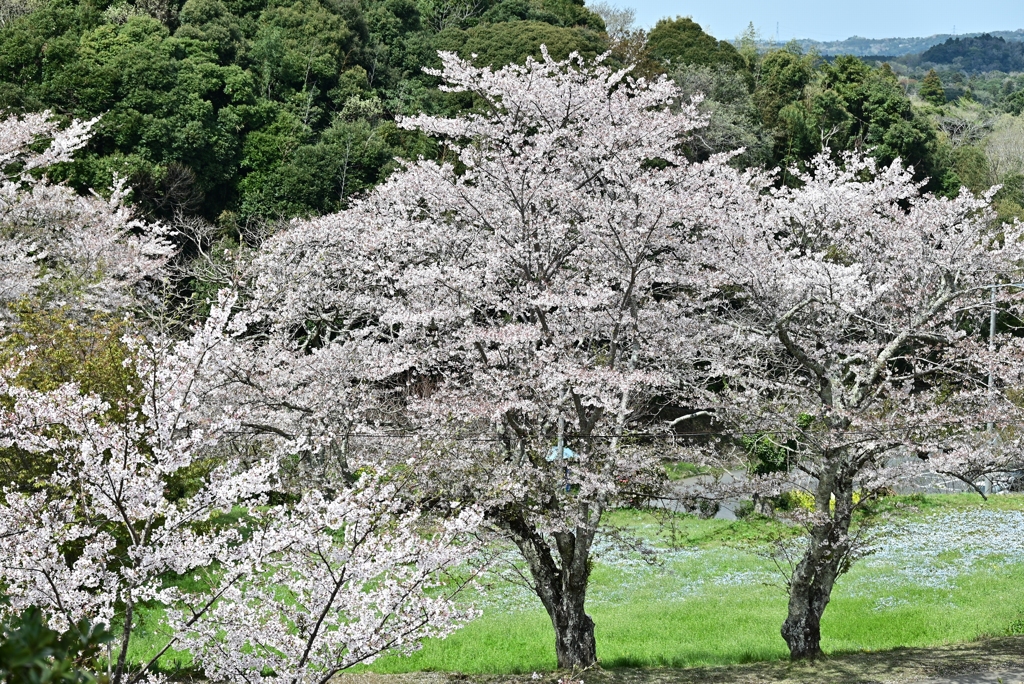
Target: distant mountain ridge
[[892, 47], [977, 54]]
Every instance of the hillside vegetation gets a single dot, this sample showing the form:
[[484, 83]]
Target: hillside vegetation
[[259, 109], [246, 112], [892, 47], [979, 53]]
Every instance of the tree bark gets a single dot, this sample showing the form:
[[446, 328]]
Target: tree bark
[[125, 636], [827, 557], [802, 628], [562, 587], [575, 646]]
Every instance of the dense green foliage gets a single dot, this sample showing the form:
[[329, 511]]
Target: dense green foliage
[[262, 110], [242, 111], [784, 106], [978, 53], [809, 105], [32, 653], [682, 41], [508, 42], [1015, 102]]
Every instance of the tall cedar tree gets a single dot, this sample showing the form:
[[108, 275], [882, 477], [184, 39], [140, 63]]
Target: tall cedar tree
[[931, 90]]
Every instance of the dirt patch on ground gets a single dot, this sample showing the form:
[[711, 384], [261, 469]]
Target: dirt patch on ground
[[979, 662]]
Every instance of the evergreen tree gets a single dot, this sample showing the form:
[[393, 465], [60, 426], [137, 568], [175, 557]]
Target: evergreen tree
[[931, 90], [682, 41]]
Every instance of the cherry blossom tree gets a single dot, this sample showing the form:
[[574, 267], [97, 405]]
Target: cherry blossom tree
[[980, 443], [847, 307], [99, 537], [315, 586], [340, 581], [515, 312], [80, 248]]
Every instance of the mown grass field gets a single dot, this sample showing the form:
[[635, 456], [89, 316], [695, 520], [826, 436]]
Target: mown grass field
[[715, 600], [947, 569]]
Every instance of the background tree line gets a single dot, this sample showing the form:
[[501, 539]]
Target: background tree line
[[243, 112]]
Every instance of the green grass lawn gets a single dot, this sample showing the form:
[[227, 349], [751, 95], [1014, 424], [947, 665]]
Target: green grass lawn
[[950, 570], [715, 600], [722, 627], [679, 470]]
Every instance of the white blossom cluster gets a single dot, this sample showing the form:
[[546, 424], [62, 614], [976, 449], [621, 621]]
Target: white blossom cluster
[[86, 249], [306, 589]]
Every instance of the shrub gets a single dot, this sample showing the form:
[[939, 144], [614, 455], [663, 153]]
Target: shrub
[[794, 499], [32, 653], [744, 509]]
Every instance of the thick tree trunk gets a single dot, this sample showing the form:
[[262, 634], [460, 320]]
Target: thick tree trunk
[[802, 628], [827, 557], [562, 588], [575, 646]]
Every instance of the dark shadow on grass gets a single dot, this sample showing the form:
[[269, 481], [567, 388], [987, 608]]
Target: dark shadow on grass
[[688, 661], [952, 663], [956, 664]]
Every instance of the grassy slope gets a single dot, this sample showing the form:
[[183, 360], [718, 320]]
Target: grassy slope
[[717, 602], [644, 620]]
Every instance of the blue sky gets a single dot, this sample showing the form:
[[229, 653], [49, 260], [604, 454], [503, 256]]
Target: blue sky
[[837, 19]]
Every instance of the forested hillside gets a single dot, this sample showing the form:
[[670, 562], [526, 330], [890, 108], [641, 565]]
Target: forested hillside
[[892, 47], [246, 112], [979, 53], [259, 109]]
